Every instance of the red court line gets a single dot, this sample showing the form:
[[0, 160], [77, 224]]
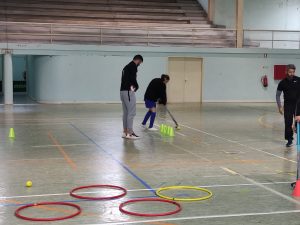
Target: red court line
[[67, 158]]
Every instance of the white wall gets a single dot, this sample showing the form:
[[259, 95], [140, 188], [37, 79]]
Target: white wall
[[260, 14], [204, 4], [238, 78], [225, 13], [87, 78], [96, 78], [19, 66], [275, 14]]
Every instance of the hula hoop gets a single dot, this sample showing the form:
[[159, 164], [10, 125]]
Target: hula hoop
[[124, 192], [17, 213], [158, 193], [178, 207]]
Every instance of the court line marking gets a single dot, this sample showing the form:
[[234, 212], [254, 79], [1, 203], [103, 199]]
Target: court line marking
[[144, 183], [65, 145], [14, 160], [67, 158], [137, 190], [286, 197], [190, 152], [246, 178], [229, 170], [238, 143], [200, 217], [67, 201]]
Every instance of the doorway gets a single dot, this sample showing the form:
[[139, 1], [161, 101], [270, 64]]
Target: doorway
[[186, 80]]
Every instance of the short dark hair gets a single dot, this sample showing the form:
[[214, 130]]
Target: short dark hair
[[138, 57], [291, 66], [165, 77]]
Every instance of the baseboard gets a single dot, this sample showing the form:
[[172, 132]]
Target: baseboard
[[83, 102], [238, 101]]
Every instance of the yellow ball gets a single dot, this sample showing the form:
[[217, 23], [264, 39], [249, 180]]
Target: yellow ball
[[28, 183]]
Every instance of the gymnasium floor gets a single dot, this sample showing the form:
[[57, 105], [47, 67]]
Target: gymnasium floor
[[234, 150]]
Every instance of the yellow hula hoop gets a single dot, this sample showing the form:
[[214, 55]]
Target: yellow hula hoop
[[158, 193]]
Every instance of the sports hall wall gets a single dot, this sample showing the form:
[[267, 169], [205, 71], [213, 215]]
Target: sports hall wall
[[259, 14], [230, 76]]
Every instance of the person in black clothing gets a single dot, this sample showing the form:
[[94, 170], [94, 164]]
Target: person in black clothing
[[156, 91], [290, 86], [129, 86], [297, 118]]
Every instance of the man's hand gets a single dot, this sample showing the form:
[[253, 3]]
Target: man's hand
[[280, 110], [297, 118]]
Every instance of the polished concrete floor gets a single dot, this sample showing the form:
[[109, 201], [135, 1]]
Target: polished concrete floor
[[235, 150]]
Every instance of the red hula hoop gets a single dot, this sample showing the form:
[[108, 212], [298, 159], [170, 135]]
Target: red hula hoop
[[17, 213], [178, 207], [124, 192]]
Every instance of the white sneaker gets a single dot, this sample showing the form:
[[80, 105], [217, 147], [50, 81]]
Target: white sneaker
[[124, 135], [132, 136], [152, 129], [143, 126]]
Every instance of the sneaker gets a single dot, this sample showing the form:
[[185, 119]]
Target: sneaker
[[152, 129], [124, 135], [289, 143], [132, 136], [143, 126]]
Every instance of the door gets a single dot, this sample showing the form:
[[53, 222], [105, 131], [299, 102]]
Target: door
[[186, 79]]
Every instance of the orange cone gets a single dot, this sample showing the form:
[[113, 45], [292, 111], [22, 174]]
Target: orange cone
[[296, 192]]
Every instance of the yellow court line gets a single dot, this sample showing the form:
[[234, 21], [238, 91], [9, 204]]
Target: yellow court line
[[62, 151]]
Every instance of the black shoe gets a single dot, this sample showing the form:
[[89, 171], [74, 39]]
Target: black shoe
[[133, 134], [289, 143]]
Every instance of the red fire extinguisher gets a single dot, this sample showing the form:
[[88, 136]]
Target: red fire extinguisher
[[264, 80]]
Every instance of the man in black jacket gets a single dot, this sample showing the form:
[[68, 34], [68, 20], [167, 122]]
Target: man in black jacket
[[129, 86], [156, 90], [290, 86]]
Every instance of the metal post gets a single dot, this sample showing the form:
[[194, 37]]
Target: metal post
[[272, 39], [100, 36], [147, 36], [51, 33]]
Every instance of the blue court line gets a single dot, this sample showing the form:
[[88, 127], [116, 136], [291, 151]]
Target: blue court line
[[71, 201], [147, 186]]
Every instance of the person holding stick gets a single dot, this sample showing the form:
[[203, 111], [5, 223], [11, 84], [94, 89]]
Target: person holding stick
[[156, 90]]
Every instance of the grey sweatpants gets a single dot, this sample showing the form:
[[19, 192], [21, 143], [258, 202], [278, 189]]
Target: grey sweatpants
[[129, 109]]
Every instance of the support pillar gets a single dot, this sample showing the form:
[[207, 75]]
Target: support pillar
[[8, 79], [211, 10], [239, 23]]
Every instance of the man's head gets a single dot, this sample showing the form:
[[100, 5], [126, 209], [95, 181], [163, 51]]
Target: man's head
[[291, 68], [138, 60], [165, 78]]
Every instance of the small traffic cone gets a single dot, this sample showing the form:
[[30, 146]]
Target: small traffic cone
[[165, 130], [296, 192], [11, 133], [161, 128], [171, 132]]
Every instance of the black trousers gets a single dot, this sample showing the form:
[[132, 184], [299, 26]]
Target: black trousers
[[289, 114]]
